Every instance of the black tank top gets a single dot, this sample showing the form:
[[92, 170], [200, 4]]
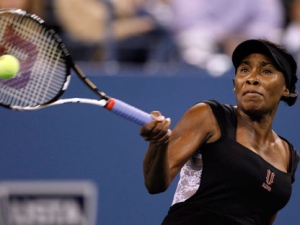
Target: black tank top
[[237, 185]]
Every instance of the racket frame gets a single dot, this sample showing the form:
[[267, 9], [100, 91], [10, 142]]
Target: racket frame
[[114, 105]]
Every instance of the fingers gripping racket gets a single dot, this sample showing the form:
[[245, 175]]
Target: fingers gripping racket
[[45, 68]]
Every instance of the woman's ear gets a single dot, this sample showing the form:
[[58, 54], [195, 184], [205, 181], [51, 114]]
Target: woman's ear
[[286, 92]]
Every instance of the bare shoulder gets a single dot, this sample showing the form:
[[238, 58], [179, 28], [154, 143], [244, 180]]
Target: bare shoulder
[[196, 127], [199, 119], [202, 110]]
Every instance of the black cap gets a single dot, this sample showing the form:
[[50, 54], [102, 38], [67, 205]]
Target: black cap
[[281, 58]]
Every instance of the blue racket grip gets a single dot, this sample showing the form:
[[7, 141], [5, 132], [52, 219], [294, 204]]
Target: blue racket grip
[[128, 112]]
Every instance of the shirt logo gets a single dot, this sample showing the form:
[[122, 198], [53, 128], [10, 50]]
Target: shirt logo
[[269, 180]]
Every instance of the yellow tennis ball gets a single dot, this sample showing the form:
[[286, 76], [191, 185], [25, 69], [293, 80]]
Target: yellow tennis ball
[[9, 66]]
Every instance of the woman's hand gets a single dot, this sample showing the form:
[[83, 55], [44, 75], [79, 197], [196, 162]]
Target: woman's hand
[[157, 131]]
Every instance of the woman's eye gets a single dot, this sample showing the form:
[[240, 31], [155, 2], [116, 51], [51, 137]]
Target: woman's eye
[[243, 69], [267, 71]]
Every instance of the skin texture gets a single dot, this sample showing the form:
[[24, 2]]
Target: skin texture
[[258, 86]]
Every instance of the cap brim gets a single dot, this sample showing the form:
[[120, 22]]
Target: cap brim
[[251, 46]]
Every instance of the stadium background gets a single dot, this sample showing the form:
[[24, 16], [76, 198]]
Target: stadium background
[[83, 142]]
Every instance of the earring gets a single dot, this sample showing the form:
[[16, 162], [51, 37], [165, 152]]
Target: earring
[[292, 95]]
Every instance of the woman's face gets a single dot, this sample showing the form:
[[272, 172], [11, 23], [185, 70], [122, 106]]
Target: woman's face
[[259, 86]]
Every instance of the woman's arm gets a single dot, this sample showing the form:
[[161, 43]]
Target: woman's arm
[[168, 151]]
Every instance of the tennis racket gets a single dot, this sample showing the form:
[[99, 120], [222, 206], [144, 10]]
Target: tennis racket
[[45, 69]]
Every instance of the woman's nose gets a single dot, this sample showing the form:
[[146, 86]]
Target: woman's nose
[[252, 81]]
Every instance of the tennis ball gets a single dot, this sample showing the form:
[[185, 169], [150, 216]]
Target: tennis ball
[[9, 66]]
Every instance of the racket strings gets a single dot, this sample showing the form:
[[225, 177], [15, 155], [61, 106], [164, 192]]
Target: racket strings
[[8, 42], [43, 65]]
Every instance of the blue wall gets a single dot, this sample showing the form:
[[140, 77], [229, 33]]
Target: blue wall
[[83, 142]]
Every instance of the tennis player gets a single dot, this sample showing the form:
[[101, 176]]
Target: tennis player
[[234, 169]]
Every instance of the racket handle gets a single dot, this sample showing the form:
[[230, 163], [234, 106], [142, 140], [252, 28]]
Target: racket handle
[[128, 112]]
